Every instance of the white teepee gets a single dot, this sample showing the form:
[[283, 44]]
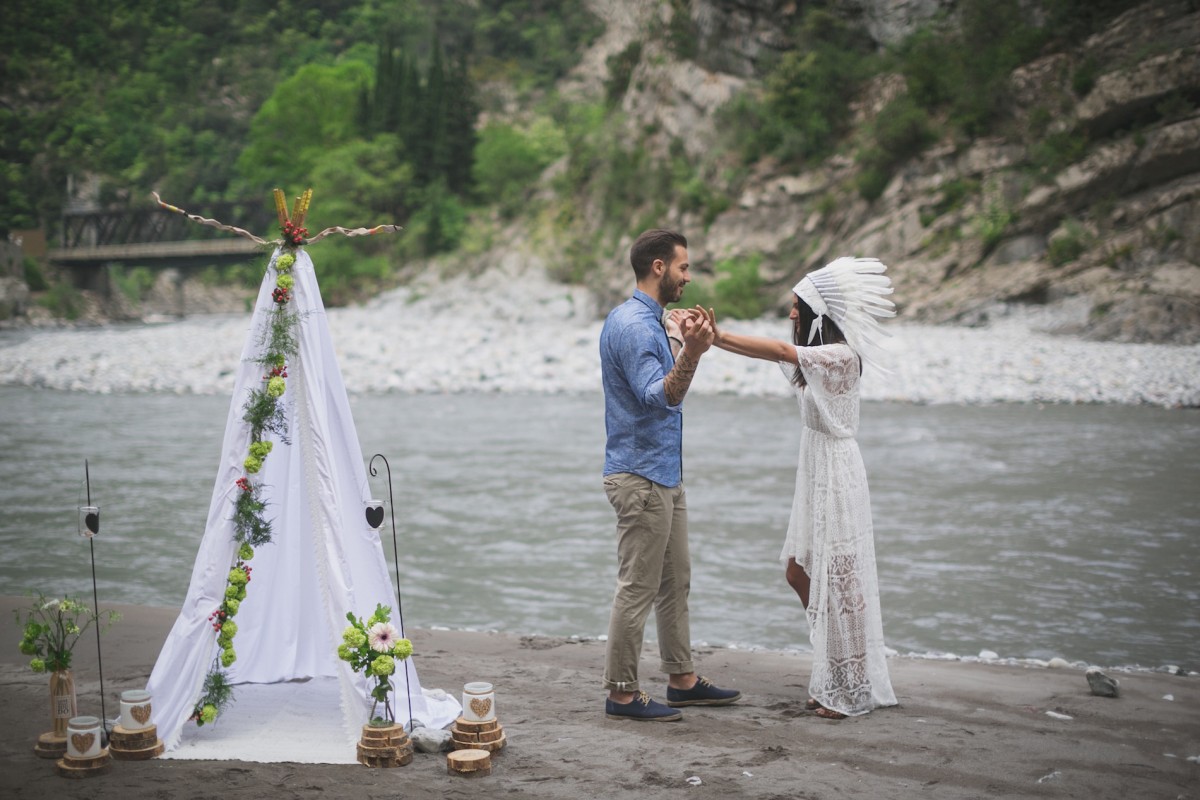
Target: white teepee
[[322, 563]]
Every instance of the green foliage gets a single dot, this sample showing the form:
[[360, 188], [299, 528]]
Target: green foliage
[[438, 223], [508, 160], [539, 39], [620, 71], [901, 131], [1056, 151], [35, 276], [249, 525], [954, 195], [1084, 76], [307, 115], [134, 284], [62, 300], [993, 223], [1068, 246], [736, 292], [965, 70]]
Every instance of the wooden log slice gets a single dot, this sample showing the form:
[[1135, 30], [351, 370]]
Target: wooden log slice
[[466, 725], [141, 754], [489, 747], [70, 767], [490, 736], [50, 746], [472, 763], [388, 734], [121, 739], [464, 736]]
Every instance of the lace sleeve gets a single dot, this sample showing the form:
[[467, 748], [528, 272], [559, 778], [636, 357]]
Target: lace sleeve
[[832, 369]]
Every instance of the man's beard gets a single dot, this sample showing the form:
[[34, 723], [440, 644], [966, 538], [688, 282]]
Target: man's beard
[[670, 290]]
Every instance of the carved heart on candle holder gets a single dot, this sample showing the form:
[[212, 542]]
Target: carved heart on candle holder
[[141, 713], [92, 521], [82, 741], [481, 706]]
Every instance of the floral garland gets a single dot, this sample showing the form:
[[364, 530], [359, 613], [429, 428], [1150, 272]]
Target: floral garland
[[265, 414]]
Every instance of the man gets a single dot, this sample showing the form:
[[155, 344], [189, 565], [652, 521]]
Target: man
[[648, 361]]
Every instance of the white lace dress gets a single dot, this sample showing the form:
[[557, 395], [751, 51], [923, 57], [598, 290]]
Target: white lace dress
[[831, 537]]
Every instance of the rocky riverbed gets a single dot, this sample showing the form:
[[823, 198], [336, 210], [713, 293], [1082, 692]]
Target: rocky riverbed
[[508, 330]]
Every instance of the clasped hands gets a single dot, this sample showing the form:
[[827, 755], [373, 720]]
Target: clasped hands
[[695, 327]]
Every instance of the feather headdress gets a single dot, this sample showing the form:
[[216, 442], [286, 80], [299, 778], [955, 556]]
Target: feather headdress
[[853, 293]]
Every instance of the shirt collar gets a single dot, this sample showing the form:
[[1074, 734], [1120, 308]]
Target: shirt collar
[[649, 302]]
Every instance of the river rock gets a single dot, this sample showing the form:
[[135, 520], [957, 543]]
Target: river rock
[[430, 740], [1102, 685]]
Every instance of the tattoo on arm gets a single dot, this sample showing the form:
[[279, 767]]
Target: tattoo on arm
[[679, 379]]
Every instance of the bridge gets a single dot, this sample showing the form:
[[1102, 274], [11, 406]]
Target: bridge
[[152, 237]]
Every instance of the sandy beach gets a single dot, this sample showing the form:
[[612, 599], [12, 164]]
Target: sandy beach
[[962, 730]]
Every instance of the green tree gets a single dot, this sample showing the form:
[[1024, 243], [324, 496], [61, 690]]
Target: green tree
[[309, 113]]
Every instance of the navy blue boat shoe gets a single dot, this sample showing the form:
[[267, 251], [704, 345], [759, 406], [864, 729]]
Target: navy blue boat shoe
[[641, 708], [702, 694]]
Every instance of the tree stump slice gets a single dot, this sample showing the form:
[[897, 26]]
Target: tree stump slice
[[469, 763], [125, 745], [489, 747], [70, 767], [384, 747], [467, 726], [50, 746]]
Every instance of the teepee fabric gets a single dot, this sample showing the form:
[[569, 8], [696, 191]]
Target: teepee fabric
[[322, 562]]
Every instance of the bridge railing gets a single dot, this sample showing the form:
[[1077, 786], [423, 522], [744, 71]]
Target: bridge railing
[[151, 225]]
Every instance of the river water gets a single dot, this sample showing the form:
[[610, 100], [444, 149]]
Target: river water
[[1031, 531]]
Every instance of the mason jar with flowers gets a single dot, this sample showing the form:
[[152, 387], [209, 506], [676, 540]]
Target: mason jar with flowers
[[51, 628], [373, 647]]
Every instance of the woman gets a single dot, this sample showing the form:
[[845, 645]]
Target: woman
[[829, 551]]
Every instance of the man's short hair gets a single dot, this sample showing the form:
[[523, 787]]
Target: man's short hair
[[654, 244]]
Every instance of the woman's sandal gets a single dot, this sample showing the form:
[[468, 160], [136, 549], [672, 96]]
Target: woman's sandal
[[812, 705], [828, 713]]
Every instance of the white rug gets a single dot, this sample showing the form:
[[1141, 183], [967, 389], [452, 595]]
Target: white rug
[[299, 721]]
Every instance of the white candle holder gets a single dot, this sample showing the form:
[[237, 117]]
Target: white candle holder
[[479, 702], [83, 737], [136, 710]]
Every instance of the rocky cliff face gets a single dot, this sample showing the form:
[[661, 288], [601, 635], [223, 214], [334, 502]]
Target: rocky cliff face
[[1112, 239]]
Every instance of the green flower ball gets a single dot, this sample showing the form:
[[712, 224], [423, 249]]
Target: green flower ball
[[229, 628], [208, 713], [354, 637], [403, 649], [383, 665], [285, 262], [285, 282], [224, 641], [37, 665], [241, 595], [345, 652], [228, 657], [231, 606], [231, 593], [260, 450], [28, 647], [276, 386], [252, 464], [237, 577], [245, 552]]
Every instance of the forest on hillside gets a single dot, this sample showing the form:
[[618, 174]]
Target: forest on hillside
[[442, 115]]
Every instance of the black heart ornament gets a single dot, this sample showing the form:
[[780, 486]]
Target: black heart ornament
[[375, 516], [92, 521]]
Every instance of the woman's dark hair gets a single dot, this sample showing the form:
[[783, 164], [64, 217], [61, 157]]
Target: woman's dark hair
[[828, 333]]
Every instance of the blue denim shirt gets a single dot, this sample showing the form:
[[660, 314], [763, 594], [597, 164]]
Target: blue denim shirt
[[645, 433]]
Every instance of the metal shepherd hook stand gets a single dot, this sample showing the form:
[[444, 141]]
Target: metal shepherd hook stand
[[374, 520], [91, 527]]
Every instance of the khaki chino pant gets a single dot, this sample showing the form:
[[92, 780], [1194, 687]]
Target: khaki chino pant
[[653, 571]]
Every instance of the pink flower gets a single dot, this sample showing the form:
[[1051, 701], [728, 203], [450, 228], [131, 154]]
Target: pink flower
[[382, 637]]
